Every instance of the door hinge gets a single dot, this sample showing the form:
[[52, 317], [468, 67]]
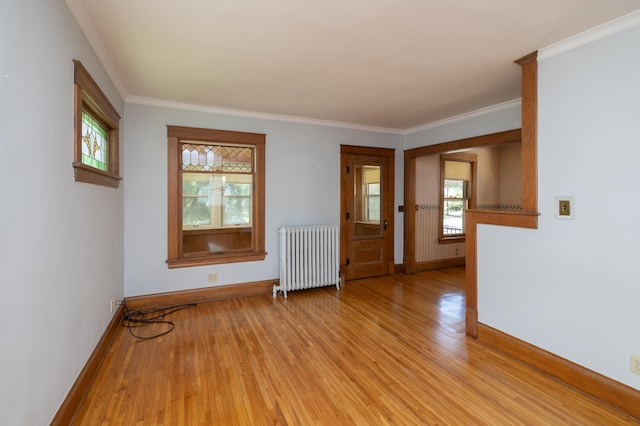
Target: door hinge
[[348, 216], [348, 170], [348, 261]]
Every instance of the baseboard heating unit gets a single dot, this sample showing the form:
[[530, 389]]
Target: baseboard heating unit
[[309, 257]]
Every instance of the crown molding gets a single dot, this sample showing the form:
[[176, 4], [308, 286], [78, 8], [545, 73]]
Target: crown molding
[[258, 115], [607, 29], [515, 103]]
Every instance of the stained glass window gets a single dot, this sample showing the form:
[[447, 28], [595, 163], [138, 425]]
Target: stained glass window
[[217, 158], [94, 143]]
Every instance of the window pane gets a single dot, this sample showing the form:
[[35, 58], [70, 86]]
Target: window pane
[[453, 220], [236, 204], [94, 143], [453, 188], [196, 211], [196, 203]]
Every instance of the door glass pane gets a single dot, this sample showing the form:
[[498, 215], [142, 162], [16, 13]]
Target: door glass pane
[[367, 196]]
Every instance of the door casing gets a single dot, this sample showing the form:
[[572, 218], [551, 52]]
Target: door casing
[[361, 155]]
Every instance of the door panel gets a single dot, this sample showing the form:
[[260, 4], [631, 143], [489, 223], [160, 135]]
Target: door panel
[[367, 211]]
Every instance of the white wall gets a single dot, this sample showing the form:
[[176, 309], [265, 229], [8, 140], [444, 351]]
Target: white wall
[[571, 287], [302, 187], [62, 241], [476, 123]]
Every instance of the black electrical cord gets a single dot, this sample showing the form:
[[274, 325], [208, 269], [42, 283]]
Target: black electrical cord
[[140, 318]]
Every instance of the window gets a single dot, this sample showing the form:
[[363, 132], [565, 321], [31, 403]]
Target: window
[[95, 158], [216, 196], [457, 193]]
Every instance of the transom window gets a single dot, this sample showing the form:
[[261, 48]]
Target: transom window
[[95, 158], [216, 201]]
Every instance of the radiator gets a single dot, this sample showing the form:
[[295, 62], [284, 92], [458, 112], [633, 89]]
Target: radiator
[[309, 257], [427, 248]]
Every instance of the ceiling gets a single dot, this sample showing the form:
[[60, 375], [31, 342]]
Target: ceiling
[[384, 63]]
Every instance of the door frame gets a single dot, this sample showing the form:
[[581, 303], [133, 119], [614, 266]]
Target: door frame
[[345, 151]]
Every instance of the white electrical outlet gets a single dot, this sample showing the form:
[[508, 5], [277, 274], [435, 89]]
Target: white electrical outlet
[[113, 305], [635, 364], [213, 278]]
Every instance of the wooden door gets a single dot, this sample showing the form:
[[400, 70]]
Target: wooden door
[[367, 212]]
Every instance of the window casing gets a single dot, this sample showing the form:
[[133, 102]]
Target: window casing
[[215, 196], [96, 149], [457, 194]]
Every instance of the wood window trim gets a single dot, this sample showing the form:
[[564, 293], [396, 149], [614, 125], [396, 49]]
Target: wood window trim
[[410, 157], [461, 157], [89, 97], [175, 257]]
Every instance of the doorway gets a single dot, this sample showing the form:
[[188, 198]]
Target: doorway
[[366, 210]]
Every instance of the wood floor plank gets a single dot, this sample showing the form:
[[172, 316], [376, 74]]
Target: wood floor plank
[[388, 350]]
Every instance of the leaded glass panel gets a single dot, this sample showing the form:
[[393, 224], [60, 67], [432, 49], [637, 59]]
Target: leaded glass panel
[[217, 158], [94, 143]]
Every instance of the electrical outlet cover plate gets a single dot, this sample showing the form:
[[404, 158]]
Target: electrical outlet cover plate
[[564, 208], [635, 364]]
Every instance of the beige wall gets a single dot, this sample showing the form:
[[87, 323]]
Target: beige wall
[[498, 184]]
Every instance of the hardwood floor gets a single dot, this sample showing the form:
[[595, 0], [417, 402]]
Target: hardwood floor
[[388, 350]]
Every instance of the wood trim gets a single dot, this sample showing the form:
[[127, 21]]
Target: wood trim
[[215, 135], [176, 258], [410, 156], [174, 245], [366, 150], [528, 217], [529, 66], [202, 295], [409, 215], [87, 174], [96, 97], [601, 387], [461, 157], [439, 264], [69, 407], [347, 154], [389, 208], [89, 97], [514, 218], [218, 259], [473, 142], [398, 268]]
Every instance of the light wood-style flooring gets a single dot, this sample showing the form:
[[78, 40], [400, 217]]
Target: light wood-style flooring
[[388, 350]]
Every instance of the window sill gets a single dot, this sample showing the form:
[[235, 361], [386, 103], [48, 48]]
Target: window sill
[[216, 259], [87, 174], [451, 240]]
